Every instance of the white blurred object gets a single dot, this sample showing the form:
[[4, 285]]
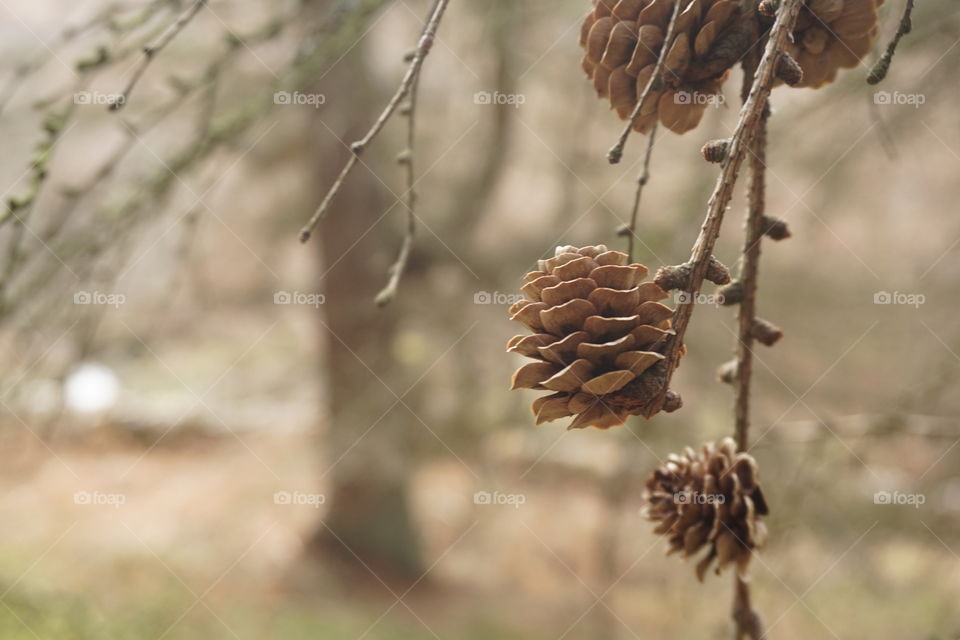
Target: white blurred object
[[91, 388]]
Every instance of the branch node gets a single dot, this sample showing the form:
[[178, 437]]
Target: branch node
[[765, 332], [775, 228], [673, 277], [788, 70], [727, 372], [731, 294], [716, 150], [717, 272]]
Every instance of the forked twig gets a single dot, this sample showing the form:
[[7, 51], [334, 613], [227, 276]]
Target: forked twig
[[413, 72], [151, 50]]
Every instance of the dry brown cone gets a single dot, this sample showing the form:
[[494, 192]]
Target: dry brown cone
[[623, 40], [713, 499], [596, 329], [831, 35]]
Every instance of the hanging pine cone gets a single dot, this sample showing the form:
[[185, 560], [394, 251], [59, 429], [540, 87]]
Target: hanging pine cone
[[830, 35], [623, 40], [596, 330], [711, 498]]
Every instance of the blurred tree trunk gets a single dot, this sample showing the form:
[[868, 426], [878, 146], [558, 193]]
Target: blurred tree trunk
[[370, 435]]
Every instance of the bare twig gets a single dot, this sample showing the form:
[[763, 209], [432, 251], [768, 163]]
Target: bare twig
[[396, 270], [656, 79], [413, 72], [151, 50], [641, 183], [751, 115], [747, 621], [880, 69]]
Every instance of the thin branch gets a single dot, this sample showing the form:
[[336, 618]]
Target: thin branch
[[641, 183], [747, 620], [750, 120], [413, 72], [151, 50], [880, 69], [656, 79], [406, 157]]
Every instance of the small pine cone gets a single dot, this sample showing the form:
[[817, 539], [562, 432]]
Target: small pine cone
[[788, 70], [709, 498], [831, 35], [715, 150], [623, 39], [597, 335]]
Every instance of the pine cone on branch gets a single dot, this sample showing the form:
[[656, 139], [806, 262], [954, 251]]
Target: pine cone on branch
[[623, 40], [711, 498], [597, 328]]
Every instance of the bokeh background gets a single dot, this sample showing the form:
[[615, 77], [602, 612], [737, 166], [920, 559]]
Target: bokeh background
[[209, 430]]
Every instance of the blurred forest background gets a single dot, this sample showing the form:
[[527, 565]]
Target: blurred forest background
[[209, 430]]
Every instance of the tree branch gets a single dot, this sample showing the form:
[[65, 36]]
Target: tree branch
[[151, 50], [749, 122], [413, 72]]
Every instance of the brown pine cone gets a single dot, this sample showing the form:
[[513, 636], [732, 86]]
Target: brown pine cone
[[623, 40], [711, 498], [596, 330], [830, 35]]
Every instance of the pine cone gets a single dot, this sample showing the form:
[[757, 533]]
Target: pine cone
[[709, 498], [623, 40], [596, 330], [830, 35]]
